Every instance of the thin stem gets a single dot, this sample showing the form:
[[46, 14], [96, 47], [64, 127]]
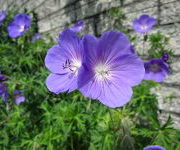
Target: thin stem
[[144, 40]]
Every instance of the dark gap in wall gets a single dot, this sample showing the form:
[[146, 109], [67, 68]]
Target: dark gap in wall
[[3, 3], [26, 1], [171, 112], [96, 18], [122, 2], [158, 11], [167, 2], [58, 10], [176, 56], [173, 85], [38, 5], [133, 3]]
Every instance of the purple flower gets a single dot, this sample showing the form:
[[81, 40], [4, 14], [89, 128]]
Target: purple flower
[[154, 147], [36, 36], [165, 57], [3, 92], [156, 69], [144, 23], [109, 69], [132, 49], [17, 92], [78, 26], [19, 26], [19, 99], [2, 16], [2, 77], [3, 88], [64, 61]]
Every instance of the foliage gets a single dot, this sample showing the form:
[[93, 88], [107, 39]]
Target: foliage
[[71, 121], [158, 45]]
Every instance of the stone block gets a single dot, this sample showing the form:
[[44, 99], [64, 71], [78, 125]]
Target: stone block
[[175, 117], [175, 66], [55, 20], [139, 6], [51, 7], [32, 4], [94, 8], [89, 28], [127, 2], [166, 1], [168, 98], [173, 78], [173, 32], [104, 23], [170, 13]]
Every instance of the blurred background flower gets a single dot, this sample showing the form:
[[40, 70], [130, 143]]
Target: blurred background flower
[[144, 23], [2, 16], [19, 25]]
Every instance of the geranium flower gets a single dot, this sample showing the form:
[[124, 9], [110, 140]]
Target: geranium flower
[[78, 26], [2, 77], [19, 26], [156, 69], [3, 89], [154, 147], [19, 98], [64, 61], [2, 16], [3, 92], [109, 69], [36, 36], [165, 57], [144, 23]]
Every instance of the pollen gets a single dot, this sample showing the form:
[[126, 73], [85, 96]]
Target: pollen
[[102, 72], [21, 28], [144, 27], [72, 66]]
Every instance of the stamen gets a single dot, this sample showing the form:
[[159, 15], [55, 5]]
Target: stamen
[[73, 66], [21, 28], [102, 72], [144, 27]]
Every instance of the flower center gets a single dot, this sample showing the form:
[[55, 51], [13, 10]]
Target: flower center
[[144, 27], [21, 28], [102, 72], [73, 66], [154, 67]]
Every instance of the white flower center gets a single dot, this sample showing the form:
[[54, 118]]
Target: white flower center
[[73, 65], [76, 64], [144, 27], [21, 28], [102, 72]]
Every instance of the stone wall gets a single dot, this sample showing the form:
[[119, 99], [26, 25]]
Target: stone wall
[[55, 15]]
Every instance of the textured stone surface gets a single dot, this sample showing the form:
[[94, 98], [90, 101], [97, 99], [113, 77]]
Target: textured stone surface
[[32, 4], [95, 7], [51, 7], [168, 98], [55, 20], [141, 5], [170, 12], [175, 117], [166, 1]]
